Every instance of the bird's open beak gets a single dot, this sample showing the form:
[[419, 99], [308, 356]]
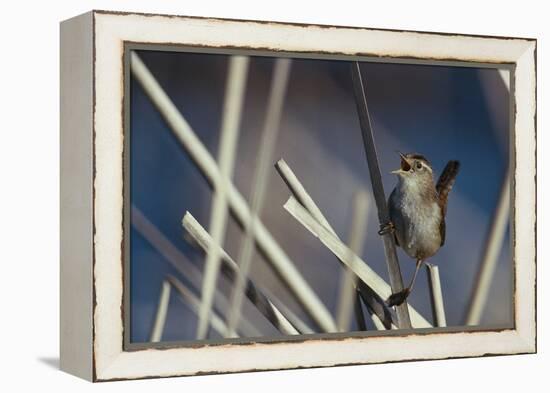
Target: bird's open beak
[[405, 165]]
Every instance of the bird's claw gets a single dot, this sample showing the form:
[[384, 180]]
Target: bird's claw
[[386, 228], [398, 298]]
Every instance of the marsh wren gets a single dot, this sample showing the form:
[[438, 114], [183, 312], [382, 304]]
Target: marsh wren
[[417, 210]]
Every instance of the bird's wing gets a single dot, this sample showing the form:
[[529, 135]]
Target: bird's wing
[[442, 231], [445, 183]]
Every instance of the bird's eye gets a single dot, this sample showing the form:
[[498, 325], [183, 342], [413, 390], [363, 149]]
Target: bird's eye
[[418, 165]]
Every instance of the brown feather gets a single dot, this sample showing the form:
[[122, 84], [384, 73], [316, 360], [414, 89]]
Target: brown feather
[[443, 188], [445, 183], [442, 230]]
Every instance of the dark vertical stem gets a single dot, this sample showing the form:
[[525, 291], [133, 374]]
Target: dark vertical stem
[[396, 280], [359, 315]]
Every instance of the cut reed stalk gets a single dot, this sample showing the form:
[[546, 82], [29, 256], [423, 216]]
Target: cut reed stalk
[[194, 303], [259, 184], [489, 259], [347, 300], [367, 277], [160, 315], [396, 280], [229, 134], [436, 295], [300, 193], [275, 255], [180, 262], [231, 269]]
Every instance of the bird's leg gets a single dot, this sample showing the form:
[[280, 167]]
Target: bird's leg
[[398, 298], [386, 228], [418, 265]]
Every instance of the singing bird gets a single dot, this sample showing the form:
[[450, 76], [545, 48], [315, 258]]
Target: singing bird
[[417, 209]]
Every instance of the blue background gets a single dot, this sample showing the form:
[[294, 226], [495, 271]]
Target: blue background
[[440, 111]]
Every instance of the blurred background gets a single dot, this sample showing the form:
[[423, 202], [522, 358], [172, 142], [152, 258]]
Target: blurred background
[[442, 112]]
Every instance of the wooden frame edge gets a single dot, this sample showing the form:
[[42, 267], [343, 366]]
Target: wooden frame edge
[[526, 334]]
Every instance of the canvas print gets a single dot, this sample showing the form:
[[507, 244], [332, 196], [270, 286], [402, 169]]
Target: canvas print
[[280, 197]]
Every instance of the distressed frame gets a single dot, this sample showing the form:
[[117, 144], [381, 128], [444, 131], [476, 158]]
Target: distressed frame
[[93, 257]]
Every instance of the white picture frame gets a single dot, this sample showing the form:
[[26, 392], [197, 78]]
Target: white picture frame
[[92, 194]]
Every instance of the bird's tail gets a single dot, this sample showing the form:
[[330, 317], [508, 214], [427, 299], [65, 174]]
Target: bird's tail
[[446, 181]]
